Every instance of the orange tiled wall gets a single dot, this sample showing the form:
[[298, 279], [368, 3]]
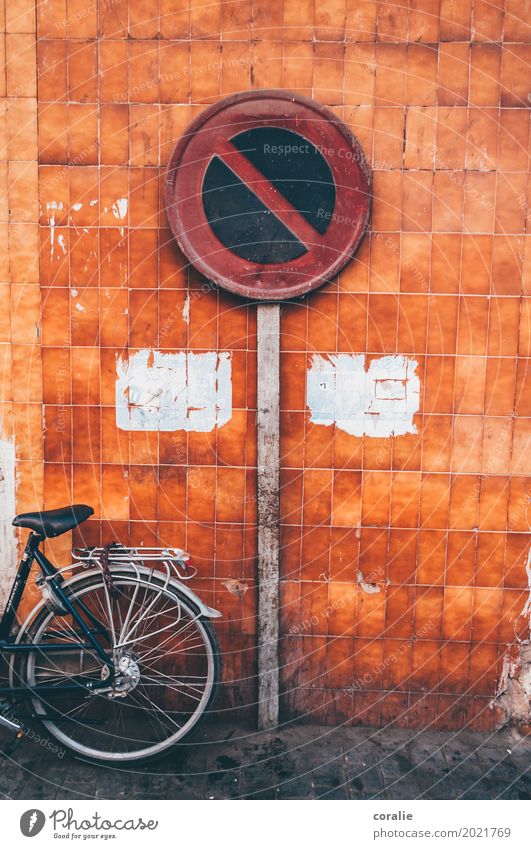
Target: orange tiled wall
[[436, 523]]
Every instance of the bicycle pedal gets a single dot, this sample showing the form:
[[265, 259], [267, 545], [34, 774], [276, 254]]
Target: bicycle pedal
[[10, 747], [11, 730]]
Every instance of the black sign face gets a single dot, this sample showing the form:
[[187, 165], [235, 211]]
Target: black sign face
[[295, 168]]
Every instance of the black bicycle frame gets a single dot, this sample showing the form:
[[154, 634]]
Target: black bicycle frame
[[50, 573], [17, 589]]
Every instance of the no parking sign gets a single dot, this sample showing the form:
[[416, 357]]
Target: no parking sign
[[268, 194]]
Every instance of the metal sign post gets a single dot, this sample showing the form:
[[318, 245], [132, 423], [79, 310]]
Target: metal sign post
[[268, 491], [268, 195]]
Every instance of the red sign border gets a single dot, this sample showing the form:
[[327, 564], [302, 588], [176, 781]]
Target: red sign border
[[188, 217]]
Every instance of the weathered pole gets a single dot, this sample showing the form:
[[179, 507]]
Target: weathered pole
[[268, 491]]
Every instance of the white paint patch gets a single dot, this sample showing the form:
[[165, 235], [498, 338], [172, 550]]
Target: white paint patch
[[378, 401], [77, 206], [51, 208], [186, 309], [8, 538], [119, 208], [166, 392]]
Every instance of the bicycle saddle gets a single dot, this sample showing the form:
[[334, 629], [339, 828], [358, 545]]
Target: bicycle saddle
[[52, 523]]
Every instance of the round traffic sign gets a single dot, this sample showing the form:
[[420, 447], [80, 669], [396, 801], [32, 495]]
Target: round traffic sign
[[268, 194]]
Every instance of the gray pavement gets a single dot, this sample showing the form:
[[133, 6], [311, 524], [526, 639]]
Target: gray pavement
[[297, 762]]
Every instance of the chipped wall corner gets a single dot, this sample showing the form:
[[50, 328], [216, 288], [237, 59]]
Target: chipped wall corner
[[512, 701], [236, 587], [368, 587]]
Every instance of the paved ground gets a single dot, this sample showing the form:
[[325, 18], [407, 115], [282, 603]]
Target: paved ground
[[298, 762]]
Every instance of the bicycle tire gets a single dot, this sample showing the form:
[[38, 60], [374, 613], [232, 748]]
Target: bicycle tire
[[34, 629]]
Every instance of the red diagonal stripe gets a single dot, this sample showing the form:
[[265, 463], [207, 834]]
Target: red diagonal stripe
[[266, 192]]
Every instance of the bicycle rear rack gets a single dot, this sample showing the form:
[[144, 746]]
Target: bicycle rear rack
[[173, 559]]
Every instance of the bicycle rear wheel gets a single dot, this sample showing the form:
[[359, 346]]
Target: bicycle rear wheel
[[167, 663]]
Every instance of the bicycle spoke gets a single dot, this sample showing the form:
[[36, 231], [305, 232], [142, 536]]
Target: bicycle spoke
[[166, 641], [146, 618], [140, 637], [70, 713], [128, 615], [154, 682], [156, 707], [64, 675]]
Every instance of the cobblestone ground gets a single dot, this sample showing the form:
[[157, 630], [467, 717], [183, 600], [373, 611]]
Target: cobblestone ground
[[297, 762]]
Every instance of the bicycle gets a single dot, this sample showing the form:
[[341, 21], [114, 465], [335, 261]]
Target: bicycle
[[119, 660]]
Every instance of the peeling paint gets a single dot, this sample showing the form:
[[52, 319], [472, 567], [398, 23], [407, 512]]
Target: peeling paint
[[366, 587], [236, 587], [51, 208], [526, 610], [119, 208], [186, 309], [378, 401], [8, 539], [166, 392], [513, 696]]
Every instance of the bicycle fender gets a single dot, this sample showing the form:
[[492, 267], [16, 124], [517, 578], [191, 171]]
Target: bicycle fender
[[204, 609], [208, 612]]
